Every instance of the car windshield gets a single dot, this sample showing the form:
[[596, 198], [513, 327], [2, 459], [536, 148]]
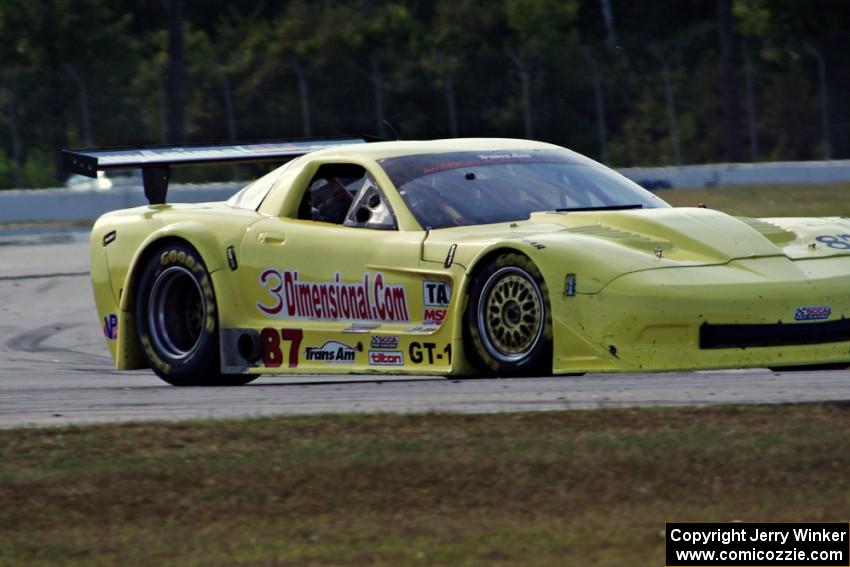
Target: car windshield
[[469, 188]]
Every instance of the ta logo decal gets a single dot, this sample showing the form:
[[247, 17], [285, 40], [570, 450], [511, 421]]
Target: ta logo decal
[[110, 326], [436, 293]]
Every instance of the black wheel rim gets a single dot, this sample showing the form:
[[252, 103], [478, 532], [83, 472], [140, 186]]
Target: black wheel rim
[[176, 313]]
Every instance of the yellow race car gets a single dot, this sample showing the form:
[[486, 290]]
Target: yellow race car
[[452, 257]]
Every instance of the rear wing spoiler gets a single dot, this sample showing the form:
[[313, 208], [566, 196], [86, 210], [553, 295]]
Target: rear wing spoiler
[[156, 161]]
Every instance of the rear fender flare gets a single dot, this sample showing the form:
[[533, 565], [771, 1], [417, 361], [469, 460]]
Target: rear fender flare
[[212, 250]]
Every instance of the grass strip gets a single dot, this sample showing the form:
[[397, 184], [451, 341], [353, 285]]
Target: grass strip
[[560, 488], [827, 200]]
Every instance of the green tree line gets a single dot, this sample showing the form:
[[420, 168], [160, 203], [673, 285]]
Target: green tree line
[[627, 82]]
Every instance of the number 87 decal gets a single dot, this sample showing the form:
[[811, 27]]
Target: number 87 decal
[[272, 355]]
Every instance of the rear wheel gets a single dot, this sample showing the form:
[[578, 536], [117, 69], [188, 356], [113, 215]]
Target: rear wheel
[[508, 318], [177, 320]]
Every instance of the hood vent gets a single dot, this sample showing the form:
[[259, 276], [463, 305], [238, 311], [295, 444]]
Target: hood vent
[[626, 238], [772, 232]]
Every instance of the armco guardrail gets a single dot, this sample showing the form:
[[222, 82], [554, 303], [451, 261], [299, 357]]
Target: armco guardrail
[[773, 173], [71, 205]]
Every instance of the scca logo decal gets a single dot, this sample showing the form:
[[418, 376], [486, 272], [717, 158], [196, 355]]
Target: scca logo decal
[[383, 341], [812, 313]]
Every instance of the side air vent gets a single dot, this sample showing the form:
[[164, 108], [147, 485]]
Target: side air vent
[[778, 334]]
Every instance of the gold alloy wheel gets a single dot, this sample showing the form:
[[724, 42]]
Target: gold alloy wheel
[[511, 314]]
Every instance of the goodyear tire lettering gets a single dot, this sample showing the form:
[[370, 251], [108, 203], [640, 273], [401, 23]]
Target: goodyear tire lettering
[[156, 361]]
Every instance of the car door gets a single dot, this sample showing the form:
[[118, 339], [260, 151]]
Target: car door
[[318, 283]]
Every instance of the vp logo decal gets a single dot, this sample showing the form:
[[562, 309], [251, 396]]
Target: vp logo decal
[[110, 326]]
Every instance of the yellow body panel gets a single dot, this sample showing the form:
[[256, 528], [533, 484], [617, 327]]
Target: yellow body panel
[[325, 298]]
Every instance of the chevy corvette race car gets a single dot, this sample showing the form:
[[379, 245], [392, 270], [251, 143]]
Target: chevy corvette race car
[[452, 257]]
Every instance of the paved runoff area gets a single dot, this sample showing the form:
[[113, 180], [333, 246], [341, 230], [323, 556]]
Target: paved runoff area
[[55, 368]]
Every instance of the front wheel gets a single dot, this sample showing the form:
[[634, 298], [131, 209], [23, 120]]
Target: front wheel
[[177, 321], [508, 318]]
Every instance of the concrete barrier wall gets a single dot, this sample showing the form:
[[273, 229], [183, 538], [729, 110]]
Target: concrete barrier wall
[[73, 205], [774, 173]]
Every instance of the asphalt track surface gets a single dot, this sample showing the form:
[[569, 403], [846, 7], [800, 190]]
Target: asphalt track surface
[[55, 368]]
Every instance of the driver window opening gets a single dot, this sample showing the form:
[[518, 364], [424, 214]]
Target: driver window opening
[[331, 191], [345, 194]]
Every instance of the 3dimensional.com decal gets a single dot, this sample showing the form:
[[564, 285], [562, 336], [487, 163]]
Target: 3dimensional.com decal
[[371, 299]]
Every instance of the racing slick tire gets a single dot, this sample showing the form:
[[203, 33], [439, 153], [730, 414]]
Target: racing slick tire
[[508, 319], [177, 319]]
